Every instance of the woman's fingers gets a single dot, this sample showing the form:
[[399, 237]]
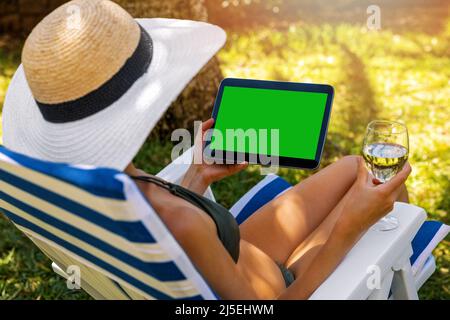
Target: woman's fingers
[[394, 184], [207, 124], [238, 167], [376, 182], [233, 168]]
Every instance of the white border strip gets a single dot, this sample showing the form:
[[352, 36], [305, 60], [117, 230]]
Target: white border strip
[[422, 258]]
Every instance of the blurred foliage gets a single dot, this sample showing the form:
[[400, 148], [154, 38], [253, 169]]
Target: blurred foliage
[[401, 72], [9, 59], [376, 75], [420, 15]]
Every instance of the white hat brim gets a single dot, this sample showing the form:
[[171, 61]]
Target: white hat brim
[[113, 136]]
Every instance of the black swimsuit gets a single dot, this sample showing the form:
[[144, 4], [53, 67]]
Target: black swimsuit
[[227, 227]]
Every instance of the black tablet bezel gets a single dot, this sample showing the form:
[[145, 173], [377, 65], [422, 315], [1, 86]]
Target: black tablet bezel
[[233, 157]]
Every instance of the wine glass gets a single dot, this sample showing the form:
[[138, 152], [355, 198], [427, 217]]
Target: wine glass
[[385, 151]]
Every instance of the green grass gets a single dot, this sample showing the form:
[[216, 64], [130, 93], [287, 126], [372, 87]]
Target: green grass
[[25, 272], [375, 74]]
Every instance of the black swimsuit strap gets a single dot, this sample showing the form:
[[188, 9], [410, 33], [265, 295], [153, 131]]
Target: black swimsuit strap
[[162, 183], [177, 190], [227, 227]]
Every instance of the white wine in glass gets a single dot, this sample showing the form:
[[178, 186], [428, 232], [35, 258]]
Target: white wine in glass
[[385, 151]]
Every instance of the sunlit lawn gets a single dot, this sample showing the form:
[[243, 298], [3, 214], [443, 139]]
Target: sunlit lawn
[[376, 75], [380, 74]]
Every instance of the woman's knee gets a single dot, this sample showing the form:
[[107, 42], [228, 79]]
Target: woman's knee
[[350, 163], [350, 160]]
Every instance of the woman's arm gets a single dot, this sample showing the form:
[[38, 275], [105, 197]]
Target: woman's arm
[[195, 179], [200, 175], [201, 243]]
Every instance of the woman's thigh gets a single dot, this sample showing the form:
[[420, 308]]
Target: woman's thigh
[[304, 254], [281, 225]]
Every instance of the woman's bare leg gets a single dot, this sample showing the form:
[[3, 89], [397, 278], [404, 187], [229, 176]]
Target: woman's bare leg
[[281, 225], [303, 255]]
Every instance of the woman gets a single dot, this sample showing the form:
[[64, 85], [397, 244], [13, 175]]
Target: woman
[[288, 247], [90, 89]]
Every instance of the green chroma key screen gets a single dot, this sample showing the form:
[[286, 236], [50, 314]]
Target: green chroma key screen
[[297, 115]]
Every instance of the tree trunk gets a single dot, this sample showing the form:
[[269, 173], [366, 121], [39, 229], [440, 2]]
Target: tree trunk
[[197, 99]]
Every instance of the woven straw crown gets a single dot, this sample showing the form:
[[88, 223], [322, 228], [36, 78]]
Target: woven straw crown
[[77, 48]]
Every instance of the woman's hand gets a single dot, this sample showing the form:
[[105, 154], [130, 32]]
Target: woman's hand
[[200, 175], [370, 200]]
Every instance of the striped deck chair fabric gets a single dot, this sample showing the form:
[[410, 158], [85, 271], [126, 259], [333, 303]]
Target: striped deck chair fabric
[[98, 220]]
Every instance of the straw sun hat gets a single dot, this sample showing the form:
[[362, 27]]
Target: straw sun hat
[[93, 81]]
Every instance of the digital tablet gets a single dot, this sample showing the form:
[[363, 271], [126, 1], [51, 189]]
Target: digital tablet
[[269, 123]]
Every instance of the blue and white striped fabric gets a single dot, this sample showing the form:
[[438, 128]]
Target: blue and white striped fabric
[[426, 239], [269, 188], [100, 217]]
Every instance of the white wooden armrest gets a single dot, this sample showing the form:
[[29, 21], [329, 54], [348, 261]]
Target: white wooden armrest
[[175, 171], [385, 251]]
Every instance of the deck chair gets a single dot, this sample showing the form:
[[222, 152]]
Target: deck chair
[[97, 220]]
